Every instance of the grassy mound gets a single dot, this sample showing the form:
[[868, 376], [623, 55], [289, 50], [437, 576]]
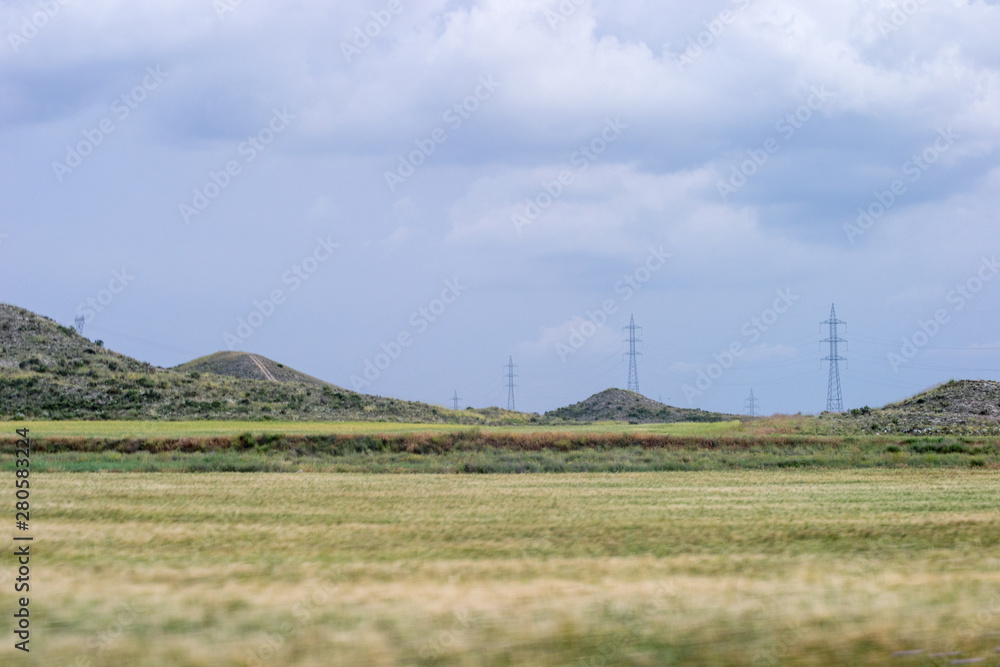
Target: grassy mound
[[623, 405]]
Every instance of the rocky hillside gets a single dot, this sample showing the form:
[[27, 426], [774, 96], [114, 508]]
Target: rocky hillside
[[31, 342], [49, 371], [969, 407], [629, 406], [249, 367], [958, 398]]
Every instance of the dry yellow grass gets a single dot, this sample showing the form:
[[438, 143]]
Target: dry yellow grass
[[813, 568]]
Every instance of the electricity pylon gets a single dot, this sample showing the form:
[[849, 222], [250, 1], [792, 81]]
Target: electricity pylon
[[752, 405], [633, 369], [510, 382], [834, 400]]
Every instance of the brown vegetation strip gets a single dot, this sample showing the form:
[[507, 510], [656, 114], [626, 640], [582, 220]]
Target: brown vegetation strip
[[432, 443]]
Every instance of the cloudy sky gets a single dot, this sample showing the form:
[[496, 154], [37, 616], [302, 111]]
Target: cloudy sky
[[400, 196]]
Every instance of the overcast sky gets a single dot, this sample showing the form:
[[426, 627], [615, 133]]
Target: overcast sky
[[398, 197]]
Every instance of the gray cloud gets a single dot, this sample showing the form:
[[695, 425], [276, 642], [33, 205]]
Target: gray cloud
[[689, 123]]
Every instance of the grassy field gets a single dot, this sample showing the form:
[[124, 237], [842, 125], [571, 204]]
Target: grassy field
[[709, 568], [212, 446], [183, 429]]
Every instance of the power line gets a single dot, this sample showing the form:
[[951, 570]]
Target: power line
[[144, 341], [834, 400], [455, 399], [752, 405], [800, 377], [633, 370], [510, 382]]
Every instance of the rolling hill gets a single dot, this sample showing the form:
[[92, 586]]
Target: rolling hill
[[49, 371], [623, 405], [249, 367], [960, 407], [956, 399], [31, 342]]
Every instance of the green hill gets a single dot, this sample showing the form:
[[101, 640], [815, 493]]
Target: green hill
[[49, 371], [955, 399], [30, 342], [960, 407], [249, 367], [623, 405]]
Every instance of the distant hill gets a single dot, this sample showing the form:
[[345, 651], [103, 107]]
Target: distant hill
[[49, 371], [970, 407], [36, 343], [624, 405], [958, 398], [249, 367]]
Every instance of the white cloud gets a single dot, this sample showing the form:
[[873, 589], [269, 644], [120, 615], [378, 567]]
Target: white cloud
[[655, 184]]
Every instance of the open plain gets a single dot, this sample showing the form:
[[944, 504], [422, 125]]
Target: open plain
[[759, 567]]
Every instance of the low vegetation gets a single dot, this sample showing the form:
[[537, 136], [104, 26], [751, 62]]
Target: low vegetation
[[958, 407], [427, 449], [628, 406], [707, 568], [49, 371], [200, 428]]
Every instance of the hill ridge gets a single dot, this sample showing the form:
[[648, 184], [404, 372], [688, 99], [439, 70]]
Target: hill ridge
[[956, 407], [623, 405], [249, 366], [50, 371], [956, 397]]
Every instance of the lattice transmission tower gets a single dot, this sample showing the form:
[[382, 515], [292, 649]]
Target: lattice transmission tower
[[752, 405], [455, 399], [834, 400], [633, 369], [509, 367]]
